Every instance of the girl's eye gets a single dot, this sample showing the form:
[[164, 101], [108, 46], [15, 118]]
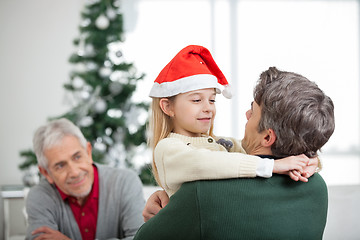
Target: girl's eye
[[213, 101], [196, 100]]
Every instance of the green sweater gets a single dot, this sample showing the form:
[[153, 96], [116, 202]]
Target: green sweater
[[274, 208]]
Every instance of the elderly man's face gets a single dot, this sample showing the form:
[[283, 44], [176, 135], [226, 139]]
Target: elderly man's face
[[70, 167], [252, 138]]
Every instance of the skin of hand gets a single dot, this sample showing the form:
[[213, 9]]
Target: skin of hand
[[48, 233], [294, 166], [309, 170], [154, 204]]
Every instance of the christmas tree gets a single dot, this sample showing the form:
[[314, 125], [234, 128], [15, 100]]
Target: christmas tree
[[101, 87]]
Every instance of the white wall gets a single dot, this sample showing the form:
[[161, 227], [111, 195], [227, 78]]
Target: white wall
[[36, 41], [35, 45]]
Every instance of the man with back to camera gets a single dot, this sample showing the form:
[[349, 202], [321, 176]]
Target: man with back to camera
[[79, 199], [290, 115]]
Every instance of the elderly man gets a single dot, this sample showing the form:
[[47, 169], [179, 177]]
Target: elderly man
[[290, 115], [78, 199]]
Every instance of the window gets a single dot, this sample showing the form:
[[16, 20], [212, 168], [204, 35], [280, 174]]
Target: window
[[318, 39]]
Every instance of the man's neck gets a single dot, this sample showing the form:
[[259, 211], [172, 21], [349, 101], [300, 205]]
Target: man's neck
[[261, 151]]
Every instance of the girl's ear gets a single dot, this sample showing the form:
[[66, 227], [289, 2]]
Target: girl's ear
[[166, 107]]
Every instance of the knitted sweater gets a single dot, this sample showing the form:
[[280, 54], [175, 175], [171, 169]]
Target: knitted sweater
[[180, 159], [275, 208], [120, 206]]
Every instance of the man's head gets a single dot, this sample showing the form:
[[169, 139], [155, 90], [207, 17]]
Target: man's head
[[64, 157], [292, 116]]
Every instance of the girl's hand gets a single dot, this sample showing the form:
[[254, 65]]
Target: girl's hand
[[297, 176], [286, 165], [311, 168]]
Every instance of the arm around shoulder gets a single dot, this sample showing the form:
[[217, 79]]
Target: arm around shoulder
[[178, 163]]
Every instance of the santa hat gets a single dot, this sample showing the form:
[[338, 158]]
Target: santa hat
[[193, 68]]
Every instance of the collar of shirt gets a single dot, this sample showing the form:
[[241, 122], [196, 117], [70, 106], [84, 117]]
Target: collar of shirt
[[269, 157], [86, 215]]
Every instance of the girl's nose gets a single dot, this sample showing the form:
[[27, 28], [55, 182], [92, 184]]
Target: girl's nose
[[207, 106]]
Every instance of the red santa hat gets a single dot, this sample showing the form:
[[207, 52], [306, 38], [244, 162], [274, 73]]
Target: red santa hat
[[193, 68]]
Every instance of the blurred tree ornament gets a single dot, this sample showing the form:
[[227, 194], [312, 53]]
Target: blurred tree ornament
[[105, 72], [102, 22], [31, 176], [99, 145], [108, 131], [114, 113], [78, 82], [100, 106], [119, 135], [86, 121], [115, 88], [117, 3], [110, 13], [116, 76], [85, 23], [89, 50], [115, 54], [85, 93], [91, 66], [80, 67], [117, 155]]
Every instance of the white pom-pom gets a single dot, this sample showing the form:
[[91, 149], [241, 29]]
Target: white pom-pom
[[227, 92]]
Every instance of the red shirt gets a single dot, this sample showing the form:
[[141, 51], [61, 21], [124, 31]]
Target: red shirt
[[86, 215]]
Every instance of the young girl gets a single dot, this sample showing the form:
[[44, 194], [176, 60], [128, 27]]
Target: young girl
[[181, 127]]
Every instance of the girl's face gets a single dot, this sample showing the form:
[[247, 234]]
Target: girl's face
[[193, 112]]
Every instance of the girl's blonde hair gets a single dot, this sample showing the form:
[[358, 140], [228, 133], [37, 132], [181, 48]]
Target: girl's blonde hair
[[160, 126]]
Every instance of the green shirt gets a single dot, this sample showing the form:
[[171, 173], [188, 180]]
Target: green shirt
[[258, 208]]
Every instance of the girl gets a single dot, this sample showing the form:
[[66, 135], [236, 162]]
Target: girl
[[181, 127]]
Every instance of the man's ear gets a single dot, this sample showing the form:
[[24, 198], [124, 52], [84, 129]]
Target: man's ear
[[46, 174], [269, 138], [166, 107], [88, 151]]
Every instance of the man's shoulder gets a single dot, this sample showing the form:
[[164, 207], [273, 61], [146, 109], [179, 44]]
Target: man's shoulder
[[315, 182], [43, 194], [43, 187], [257, 186]]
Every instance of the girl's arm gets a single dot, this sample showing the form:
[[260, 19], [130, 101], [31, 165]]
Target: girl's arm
[[313, 165], [177, 163]]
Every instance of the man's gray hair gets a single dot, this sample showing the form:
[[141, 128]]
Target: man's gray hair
[[51, 134], [298, 111]]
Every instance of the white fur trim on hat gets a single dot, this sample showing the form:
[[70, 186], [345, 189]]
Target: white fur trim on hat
[[183, 85]]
